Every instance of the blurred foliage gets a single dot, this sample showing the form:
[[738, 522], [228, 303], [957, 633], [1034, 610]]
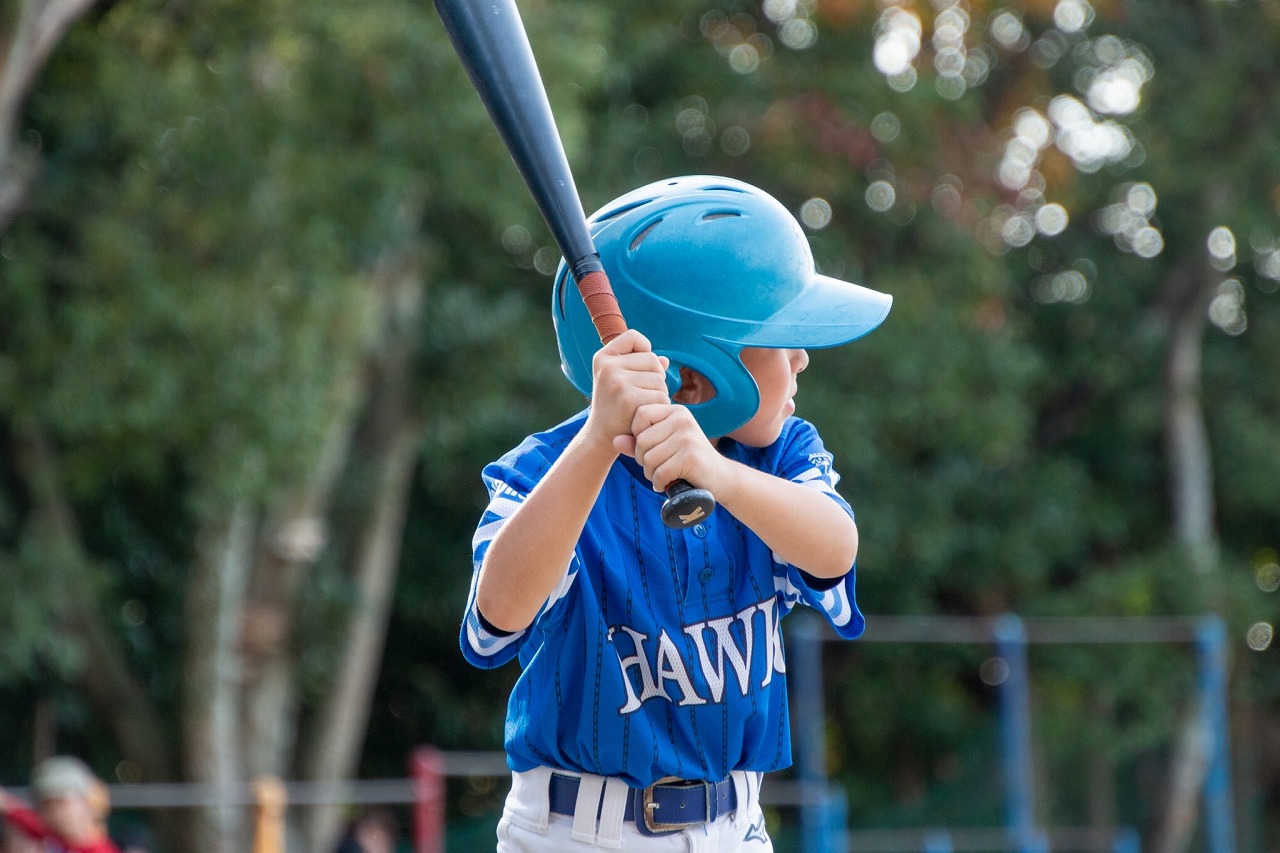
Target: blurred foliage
[[186, 304]]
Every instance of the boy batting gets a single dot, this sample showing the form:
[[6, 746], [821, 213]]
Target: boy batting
[[652, 696]]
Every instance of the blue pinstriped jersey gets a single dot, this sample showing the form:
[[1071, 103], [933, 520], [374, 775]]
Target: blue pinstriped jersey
[[660, 652]]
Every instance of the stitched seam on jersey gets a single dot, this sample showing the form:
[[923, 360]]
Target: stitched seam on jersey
[[673, 564], [595, 704], [760, 596], [675, 582], [690, 654]]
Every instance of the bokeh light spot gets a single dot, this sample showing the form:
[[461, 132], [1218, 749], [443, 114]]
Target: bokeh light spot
[[1148, 242], [1008, 31], [994, 671], [816, 214], [798, 33], [735, 141], [744, 58], [1260, 636], [885, 127], [1072, 16], [1268, 577], [1222, 248], [546, 259], [880, 196], [1226, 311], [1052, 219], [516, 239]]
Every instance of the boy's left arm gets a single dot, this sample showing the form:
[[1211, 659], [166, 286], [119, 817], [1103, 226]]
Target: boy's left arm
[[802, 525]]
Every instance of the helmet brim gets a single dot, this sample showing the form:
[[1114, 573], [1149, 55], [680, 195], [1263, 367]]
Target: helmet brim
[[827, 313]]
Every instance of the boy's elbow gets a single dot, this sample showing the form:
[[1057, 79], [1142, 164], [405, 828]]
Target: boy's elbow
[[500, 612], [845, 550], [500, 620], [852, 542]]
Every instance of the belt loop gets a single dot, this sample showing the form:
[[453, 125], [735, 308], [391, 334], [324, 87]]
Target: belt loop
[[613, 808], [742, 788], [587, 807], [529, 789]]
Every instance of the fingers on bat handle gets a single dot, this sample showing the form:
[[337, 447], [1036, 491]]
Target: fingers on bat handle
[[685, 505]]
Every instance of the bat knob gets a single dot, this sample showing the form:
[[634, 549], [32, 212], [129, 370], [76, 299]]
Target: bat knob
[[686, 505]]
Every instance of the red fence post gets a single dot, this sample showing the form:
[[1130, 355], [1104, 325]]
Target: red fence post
[[426, 766]]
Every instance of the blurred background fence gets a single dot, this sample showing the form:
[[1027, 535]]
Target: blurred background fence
[[808, 812]]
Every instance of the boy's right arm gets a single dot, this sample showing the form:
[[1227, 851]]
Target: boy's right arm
[[530, 554]]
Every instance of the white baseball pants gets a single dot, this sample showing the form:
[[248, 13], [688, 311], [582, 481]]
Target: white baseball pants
[[529, 826]]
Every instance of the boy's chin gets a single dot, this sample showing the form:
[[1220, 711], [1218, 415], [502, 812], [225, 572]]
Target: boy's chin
[[757, 435]]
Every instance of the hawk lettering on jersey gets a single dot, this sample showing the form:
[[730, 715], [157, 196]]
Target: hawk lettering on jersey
[[651, 665]]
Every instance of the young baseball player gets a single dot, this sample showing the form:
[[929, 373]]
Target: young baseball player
[[653, 691], [70, 805]]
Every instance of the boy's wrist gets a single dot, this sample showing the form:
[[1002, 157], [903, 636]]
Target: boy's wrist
[[725, 482], [591, 443]]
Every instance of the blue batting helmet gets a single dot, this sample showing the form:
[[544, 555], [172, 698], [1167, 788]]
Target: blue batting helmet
[[704, 267]]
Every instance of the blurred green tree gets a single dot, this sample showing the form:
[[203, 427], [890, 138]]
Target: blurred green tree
[[215, 391], [278, 294]]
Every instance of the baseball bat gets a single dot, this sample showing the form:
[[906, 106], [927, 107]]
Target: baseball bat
[[491, 41]]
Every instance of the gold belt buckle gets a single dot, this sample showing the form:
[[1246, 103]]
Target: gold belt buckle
[[649, 807]]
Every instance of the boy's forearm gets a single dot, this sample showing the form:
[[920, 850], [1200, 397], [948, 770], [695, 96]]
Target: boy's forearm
[[529, 555], [801, 525]]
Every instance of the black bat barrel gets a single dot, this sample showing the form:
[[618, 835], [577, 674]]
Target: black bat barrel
[[490, 38]]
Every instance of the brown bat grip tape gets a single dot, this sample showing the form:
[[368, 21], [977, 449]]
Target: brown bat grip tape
[[602, 305]]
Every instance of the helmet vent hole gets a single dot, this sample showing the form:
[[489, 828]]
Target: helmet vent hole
[[621, 209], [639, 238], [721, 214]]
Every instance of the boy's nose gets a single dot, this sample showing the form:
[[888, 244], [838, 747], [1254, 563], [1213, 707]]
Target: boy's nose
[[799, 360]]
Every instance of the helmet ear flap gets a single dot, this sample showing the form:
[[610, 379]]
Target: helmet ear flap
[[736, 398]]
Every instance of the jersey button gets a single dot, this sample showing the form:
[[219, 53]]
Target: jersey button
[[706, 575], [700, 530]]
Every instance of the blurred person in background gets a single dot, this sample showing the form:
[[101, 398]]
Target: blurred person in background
[[70, 812], [374, 831]]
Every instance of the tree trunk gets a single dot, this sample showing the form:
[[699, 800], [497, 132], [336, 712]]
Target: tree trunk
[[1185, 297], [1186, 434], [335, 749], [1187, 773], [37, 29], [212, 676], [1101, 791], [385, 445], [287, 550]]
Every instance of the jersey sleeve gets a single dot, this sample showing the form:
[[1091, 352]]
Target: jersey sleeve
[[509, 481], [804, 460], [25, 820]]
